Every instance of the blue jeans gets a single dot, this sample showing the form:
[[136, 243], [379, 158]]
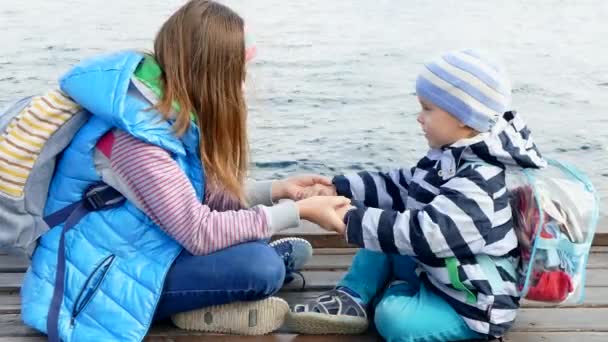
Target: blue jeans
[[408, 310], [245, 272]]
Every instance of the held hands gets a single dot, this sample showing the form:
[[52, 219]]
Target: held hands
[[316, 198], [326, 211], [301, 186], [319, 190]]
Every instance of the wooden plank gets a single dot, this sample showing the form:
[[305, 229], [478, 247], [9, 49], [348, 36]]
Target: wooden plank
[[11, 325], [323, 259], [601, 234], [317, 236], [511, 337], [335, 251], [279, 337], [10, 303], [528, 320], [329, 262], [327, 267], [556, 337], [600, 239], [10, 282], [319, 241], [596, 297], [597, 260], [599, 278], [165, 330], [315, 280], [333, 259], [306, 228], [562, 320], [324, 240], [327, 279], [13, 264], [321, 238], [230, 338]]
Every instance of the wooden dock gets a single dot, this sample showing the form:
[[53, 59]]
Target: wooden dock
[[587, 322]]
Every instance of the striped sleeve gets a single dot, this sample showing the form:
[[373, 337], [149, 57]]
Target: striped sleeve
[[167, 197], [456, 222], [384, 190]]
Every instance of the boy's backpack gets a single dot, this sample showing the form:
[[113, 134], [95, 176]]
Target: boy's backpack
[[33, 133], [555, 214]]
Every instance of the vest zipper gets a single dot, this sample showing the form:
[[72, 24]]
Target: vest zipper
[[90, 287]]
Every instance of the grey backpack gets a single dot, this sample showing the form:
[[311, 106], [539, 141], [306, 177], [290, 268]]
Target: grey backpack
[[33, 133]]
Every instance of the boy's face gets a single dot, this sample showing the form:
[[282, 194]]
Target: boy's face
[[440, 128]]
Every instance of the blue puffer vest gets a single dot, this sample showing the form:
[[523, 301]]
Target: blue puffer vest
[[116, 259]]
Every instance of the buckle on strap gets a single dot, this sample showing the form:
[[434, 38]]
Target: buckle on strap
[[101, 196]]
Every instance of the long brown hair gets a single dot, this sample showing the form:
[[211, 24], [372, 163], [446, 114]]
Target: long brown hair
[[201, 50]]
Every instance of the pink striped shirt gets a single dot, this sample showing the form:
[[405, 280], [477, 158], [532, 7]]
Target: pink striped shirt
[[165, 194]]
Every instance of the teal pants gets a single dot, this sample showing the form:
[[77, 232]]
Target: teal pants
[[406, 310]]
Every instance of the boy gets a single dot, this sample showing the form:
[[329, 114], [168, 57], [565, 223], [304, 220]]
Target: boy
[[438, 250]]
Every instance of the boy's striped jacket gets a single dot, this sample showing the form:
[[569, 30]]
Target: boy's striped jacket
[[453, 203]]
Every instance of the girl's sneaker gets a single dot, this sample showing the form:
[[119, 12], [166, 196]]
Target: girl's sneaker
[[296, 253], [242, 318]]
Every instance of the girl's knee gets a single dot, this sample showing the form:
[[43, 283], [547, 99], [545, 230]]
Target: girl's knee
[[266, 271], [270, 276]]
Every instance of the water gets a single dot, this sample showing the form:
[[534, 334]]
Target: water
[[332, 87]]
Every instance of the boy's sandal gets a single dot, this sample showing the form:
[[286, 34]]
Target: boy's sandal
[[334, 312]]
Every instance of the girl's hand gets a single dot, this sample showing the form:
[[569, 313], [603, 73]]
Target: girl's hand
[[341, 212]]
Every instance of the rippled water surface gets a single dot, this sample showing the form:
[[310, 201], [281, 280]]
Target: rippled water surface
[[332, 87]]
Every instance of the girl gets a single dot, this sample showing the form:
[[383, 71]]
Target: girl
[[168, 131]]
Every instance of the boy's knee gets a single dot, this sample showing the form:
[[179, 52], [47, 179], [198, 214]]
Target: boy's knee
[[391, 320], [409, 317], [387, 321]]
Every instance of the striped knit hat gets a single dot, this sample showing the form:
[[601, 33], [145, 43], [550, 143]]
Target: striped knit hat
[[467, 85]]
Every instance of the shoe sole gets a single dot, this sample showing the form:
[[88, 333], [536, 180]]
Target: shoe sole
[[322, 324], [242, 318]]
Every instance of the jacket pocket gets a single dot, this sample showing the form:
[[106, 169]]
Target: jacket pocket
[[91, 285]]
